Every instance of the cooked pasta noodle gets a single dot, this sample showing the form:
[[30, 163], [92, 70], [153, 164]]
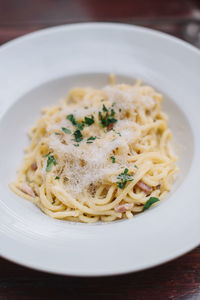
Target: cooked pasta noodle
[[100, 155]]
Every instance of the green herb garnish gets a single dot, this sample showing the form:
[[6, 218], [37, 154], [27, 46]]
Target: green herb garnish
[[76, 145], [80, 125], [57, 133], [113, 159], [50, 162], [149, 202], [53, 202], [135, 166], [89, 121], [124, 177], [117, 132], [74, 122], [57, 177], [104, 108], [106, 117], [78, 136], [71, 119], [86, 107], [120, 109], [66, 130], [112, 112], [91, 139]]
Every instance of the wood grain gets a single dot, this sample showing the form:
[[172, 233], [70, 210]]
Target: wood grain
[[13, 11], [176, 280], [172, 16]]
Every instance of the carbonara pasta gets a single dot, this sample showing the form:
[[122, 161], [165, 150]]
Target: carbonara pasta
[[100, 155]]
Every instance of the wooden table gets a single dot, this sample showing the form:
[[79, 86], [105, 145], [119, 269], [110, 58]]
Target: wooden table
[[179, 279]]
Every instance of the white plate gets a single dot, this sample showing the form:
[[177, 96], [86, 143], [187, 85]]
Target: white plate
[[41, 67]]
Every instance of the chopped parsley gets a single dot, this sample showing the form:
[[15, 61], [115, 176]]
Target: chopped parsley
[[104, 108], [112, 112], [113, 159], [89, 121], [50, 163], [124, 177], [120, 109], [91, 139], [53, 202], [78, 136], [135, 166], [66, 130], [76, 145], [74, 122], [86, 107], [117, 132], [149, 202], [107, 118], [71, 119], [80, 125], [57, 133], [57, 177]]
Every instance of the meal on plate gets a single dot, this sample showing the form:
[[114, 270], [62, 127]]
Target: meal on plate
[[99, 155]]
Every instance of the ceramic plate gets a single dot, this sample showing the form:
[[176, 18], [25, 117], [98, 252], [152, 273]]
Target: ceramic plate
[[37, 70]]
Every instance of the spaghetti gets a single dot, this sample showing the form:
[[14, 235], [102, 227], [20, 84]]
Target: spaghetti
[[100, 155]]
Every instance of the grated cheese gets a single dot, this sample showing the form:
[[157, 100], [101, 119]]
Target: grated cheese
[[89, 164]]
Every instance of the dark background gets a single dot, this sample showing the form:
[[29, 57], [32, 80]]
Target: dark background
[[179, 279]]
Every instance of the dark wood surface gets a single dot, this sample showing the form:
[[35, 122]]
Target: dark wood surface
[[179, 279]]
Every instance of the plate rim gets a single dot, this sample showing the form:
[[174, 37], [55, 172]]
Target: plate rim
[[79, 25], [121, 271], [99, 25]]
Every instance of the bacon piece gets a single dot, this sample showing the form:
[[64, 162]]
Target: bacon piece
[[124, 207], [25, 188], [34, 166], [145, 187]]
